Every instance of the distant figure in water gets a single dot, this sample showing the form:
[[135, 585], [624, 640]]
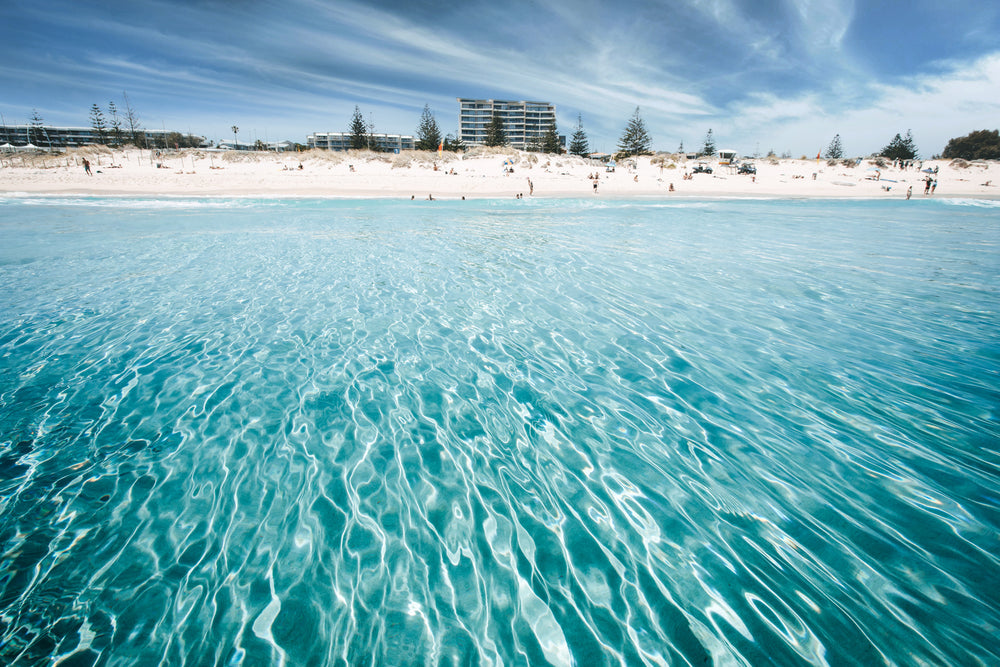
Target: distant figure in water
[[595, 187], [86, 166], [430, 197]]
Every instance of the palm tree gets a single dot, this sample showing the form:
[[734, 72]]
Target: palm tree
[[235, 143]]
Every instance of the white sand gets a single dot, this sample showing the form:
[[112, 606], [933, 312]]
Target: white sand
[[476, 175]]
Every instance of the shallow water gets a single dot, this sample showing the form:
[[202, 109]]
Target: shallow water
[[307, 432]]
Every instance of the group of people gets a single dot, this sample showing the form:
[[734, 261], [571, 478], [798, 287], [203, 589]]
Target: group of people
[[907, 164], [930, 185]]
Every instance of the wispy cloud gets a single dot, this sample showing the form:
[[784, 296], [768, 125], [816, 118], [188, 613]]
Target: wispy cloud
[[782, 72]]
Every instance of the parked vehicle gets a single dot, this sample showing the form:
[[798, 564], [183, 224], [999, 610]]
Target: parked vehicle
[[747, 168], [702, 168]]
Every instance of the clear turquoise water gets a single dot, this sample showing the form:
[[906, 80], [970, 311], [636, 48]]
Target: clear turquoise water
[[307, 432]]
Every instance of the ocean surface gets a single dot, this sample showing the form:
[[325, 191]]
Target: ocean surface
[[566, 432]]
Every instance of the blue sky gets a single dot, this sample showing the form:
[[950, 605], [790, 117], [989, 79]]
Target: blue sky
[[764, 74]]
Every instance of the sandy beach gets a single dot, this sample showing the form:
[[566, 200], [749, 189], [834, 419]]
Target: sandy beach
[[480, 173]]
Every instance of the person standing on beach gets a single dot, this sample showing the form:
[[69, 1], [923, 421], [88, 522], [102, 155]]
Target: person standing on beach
[[933, 186], [927, 185], [909, 192], [531, 188], [86, 167]]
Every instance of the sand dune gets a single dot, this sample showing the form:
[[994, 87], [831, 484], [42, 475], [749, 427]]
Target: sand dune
[[477, 174]]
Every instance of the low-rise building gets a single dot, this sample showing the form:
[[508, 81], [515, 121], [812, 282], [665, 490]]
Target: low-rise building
[[48, 136], [341, 141]]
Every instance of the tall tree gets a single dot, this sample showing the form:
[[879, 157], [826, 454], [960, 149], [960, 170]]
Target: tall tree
[[979, 145], [98, 124], [635, 140], [454, 145], [428, 132], [708, 147], [358, 130], [132, 121], [680, 148], [372, 139], [900, 148], [578, 144], [36, 129], [236, 133], [495, 135], [910, 145], [550, 140], [114, 124], [835, 151]]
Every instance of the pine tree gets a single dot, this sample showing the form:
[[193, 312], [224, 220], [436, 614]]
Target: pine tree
[[372, 139], [900, 148], [428, 133], [358, 130], [495, 135], [680, 149], [36, 128], [550, 140], [709, 146], [835, 151], [579, 145], [114, 124], [98, 124], [635, 140], [454, 145], [910, 145]]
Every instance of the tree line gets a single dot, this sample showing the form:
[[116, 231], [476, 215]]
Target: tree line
[[123, 125]]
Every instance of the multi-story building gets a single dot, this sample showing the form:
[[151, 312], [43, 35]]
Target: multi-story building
[[524, 123], [341, 141], [47, 136]]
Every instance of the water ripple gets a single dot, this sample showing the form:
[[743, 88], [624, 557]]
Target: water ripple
[[331, 432]]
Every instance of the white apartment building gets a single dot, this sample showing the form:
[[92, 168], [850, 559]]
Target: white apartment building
[[524, 123], [341, 141]]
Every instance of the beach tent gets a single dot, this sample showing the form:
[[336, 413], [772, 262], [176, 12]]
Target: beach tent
[[7, 148]]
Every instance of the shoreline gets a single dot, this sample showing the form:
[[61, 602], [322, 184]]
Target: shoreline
[[658, 198], [480, 174]]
